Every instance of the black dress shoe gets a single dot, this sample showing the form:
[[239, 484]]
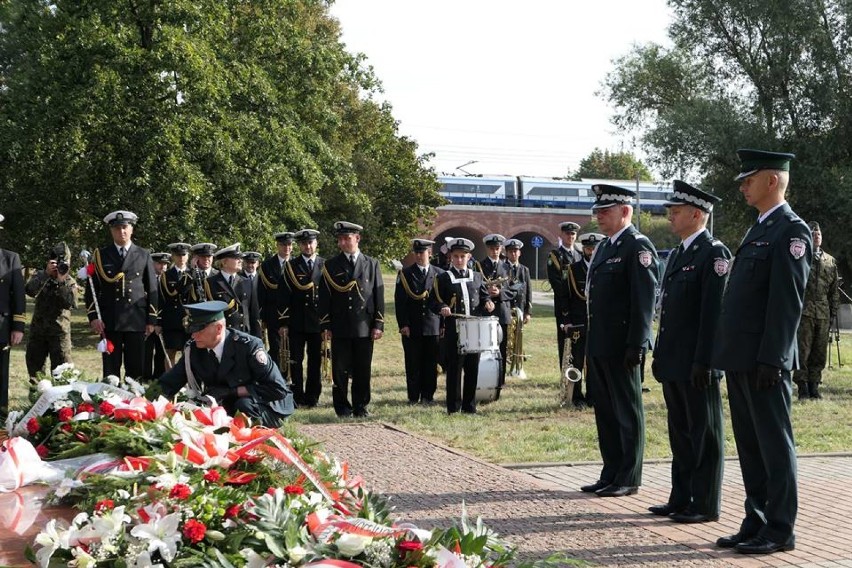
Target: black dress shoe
[[762, 545], [599, 484], [617, 491], [733, 540], [361, 413], [693, 517], [663, 510]]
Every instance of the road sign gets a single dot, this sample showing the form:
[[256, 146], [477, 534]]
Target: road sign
[[537, 241]]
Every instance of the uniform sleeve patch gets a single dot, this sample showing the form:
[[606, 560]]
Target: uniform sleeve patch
[[798, 247], [260, 357], [721, 266], [646, 258]]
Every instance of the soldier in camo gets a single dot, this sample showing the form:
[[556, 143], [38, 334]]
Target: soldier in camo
[[55, 293], [818, 312]]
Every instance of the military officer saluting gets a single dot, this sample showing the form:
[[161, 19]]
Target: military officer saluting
[[172, 293], [229, 365], [13, 304], [756, 347], [572, 315], [558, 262], [621, 288], [418, 325], [270, 272], [298, 318], [352, 315], [692, 289], [228, 286], [123, 307]]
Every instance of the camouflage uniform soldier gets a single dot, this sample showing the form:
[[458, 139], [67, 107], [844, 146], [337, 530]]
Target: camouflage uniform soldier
[[55, 293], [818, 311]]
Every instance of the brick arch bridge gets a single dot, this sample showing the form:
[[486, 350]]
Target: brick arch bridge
[[523, 223]]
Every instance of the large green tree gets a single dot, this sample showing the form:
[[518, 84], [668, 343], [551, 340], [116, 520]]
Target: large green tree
[[747, 73], [603, 164], [222, 120]]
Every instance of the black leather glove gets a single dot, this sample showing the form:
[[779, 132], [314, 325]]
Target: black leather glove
[[700, 376], [632, 357], [766, 376]]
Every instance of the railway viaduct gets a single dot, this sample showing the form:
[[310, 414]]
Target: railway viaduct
[[475, 221]]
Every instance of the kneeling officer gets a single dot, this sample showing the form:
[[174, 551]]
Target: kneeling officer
[[229, 365]]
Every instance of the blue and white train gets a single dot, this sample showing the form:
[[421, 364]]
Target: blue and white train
[[522, 191]]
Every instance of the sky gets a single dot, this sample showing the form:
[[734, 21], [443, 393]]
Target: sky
[[506, 86]]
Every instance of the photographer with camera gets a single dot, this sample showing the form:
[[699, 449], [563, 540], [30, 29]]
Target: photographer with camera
[[55, 294]]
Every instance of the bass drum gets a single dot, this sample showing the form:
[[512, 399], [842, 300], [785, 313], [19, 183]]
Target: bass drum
[[488, 380]]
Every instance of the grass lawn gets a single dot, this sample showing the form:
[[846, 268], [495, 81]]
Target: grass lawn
[[526, 424]]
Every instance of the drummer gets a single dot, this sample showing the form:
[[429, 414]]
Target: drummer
[[459, 292]]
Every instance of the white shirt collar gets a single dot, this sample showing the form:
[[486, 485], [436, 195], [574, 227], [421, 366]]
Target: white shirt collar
[[220, 347], [281, 260], [614, 238], [125, 247], [763, 217], [691, 238]]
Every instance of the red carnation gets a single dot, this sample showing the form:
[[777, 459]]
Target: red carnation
[[180, 491], [194, 530], [33, 426], [104, 505], [110, 346], [212, 476], [42, 451], [232, 512], [65, 413], [86, 407], [90, 269], [406, 546], [106, 408], [294, 490]]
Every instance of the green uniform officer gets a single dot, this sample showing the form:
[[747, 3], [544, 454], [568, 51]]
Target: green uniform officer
[[822, 295], [691, 295], [55, 294], [756, 347]]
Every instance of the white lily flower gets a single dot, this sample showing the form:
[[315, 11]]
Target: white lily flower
[[352, 545], [110, 523], [51, 539], [161, 533]]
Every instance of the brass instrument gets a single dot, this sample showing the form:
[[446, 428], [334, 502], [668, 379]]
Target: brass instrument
[[497, 281], [570, 374], [325, 360], [264, 335], [515, 345], [284, 358]]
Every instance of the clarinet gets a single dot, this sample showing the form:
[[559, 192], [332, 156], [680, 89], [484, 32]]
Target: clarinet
[[198, 284]]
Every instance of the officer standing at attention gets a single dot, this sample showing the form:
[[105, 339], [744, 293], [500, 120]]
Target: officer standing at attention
[[13, 304], [298, 318], [460, 291], [229, 365], [126, 291], [155, 353], [418, 325], [270, 272], [572, 318], [519, 278], [172, 293], [55, 293], [352, 315], [228, 286], [621, 293], [693, 284], [558, 262], [819, 311], [756, 347], [251, 260]]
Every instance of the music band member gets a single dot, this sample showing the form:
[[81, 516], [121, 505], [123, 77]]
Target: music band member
[[201, 268], [172, 294], [351, 309], [690, 300], [298, 318], [127, 295], [267, 291], [621, 292], [228, 286], [558, 262], [418, 325], [155, 348], [495, 273], [460, 291]]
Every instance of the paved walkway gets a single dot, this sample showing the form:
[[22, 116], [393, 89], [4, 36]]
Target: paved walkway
[[538, 507]]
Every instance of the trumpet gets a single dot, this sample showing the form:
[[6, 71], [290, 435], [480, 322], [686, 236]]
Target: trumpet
[[570, 374], [284, 358], [515, 345], [325, 359]]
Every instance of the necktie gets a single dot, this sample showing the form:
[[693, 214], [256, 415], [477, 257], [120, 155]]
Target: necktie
[[310, 265], [423, 271], [352, 261], [231, 280], [213, 357], [121, 252]]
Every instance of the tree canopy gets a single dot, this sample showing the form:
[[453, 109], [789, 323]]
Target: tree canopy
[[747, 74], [603, 164], [219, 120]]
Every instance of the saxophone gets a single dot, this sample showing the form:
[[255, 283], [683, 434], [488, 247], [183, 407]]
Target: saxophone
[[570, 374], [325, 360], [515, 345]]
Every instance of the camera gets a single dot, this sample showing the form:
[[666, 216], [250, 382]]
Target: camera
[[62, 266], [61, 255]]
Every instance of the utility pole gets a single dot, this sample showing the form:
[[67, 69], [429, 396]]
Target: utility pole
[[638, 204]]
